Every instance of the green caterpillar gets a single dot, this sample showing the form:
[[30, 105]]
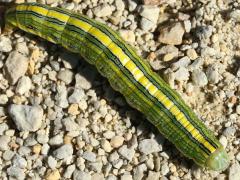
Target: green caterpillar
[[127, 73]]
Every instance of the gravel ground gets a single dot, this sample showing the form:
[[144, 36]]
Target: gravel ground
[[59, 119]]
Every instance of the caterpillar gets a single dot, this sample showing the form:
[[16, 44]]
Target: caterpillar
[[127, 73]]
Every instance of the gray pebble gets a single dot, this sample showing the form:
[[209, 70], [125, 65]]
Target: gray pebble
[[164, 169], [65, 75], [229, 131], [96, 166], [61, 97], [8, 155], [150, 12], [183, 62], [63, 152], [56, 140], [199, 78], [80, 175], [153, 175], [181, 74], [24, 85], [102, 10], [16, 172], [127, 153], [82, 82], [204, 32], [70, 125], [77, 95], [131, 5], [52, 162], [15, 67], [117, 163], [147, 25], [69, 171], [4, 140], [148, 146], [90, 156], [19, 161], [5, 44], [26, 118], [234, 171]]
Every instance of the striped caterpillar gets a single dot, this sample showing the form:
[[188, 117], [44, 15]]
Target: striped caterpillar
[[127, 73]]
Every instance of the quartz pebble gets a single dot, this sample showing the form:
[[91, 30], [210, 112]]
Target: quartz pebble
[[63, 152], [148, 146], [26, 118]]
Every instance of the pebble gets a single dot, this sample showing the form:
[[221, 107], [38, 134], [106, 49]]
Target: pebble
[[183, 62], [19, 161], [119, 5], [212, 75], [147, 25], [153, 2], [106, 145], [150, 12], [199, 78], [153, 175], [5, 44], [191, 53], [126, 177], [164, 169], [61, 96], [172, 34], [98, 176], [16, 173], [26, 118], [53, 175], [235, 15], [182, 74], [102, 10], [69, 171], [52, 162], [148, 146], [77, 95], [4, 141], [80, 175], [3, 99], [127, 153], [8, 155], [65, 75], [117, 141], [223, 141], [82, 82], [15, 66], [24, 85], [90, 156], [204, 32], [63, 152], [131, 5], [128, 35], [234, 171], [229, 131]]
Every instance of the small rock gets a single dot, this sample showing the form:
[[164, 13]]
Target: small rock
[[127, 153], [24, 85], [212, 75], [98, 176], [153, 2], [96, 166], [5, 44], [229, 131], [204, 32], [172, 34], [90, 156], [191, 53], [150, 12], [148, 146], [153, 175], [52, 163], [116, 141], [4, 140], [199, 78], [15, 67], [82, 82], [164, 169], [66, 76], [235, 15], [119, 5], [69, 171], [26, 118], [3, 99], [70, 124], [147, 25], [181, 74], [183, 62], [234, 171], [61, 96], [53, 175], [19, 161], [63, 152], [16, 173], [128, 35], [223, 141], [8, 155], [102, 11], [80, 175], [126, 177], [106, 145], [77, 95], [131, 5]]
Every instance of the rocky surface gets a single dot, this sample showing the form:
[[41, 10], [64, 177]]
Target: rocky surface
[[59, 119]]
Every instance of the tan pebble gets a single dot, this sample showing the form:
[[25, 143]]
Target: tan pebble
[[153, 2], [53, 175], [67, 139], [117, 141], [168, 57], [152, 56], [73, 109], [127, 35], [106, 145], [37, 148], [233, 100], [191, 53]]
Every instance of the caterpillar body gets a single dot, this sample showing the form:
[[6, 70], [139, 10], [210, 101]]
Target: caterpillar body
[[127, 73]]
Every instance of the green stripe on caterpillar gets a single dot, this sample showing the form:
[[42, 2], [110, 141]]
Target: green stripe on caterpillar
[[127, 73]]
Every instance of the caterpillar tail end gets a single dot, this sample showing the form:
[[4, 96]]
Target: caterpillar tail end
[[218, 160]]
